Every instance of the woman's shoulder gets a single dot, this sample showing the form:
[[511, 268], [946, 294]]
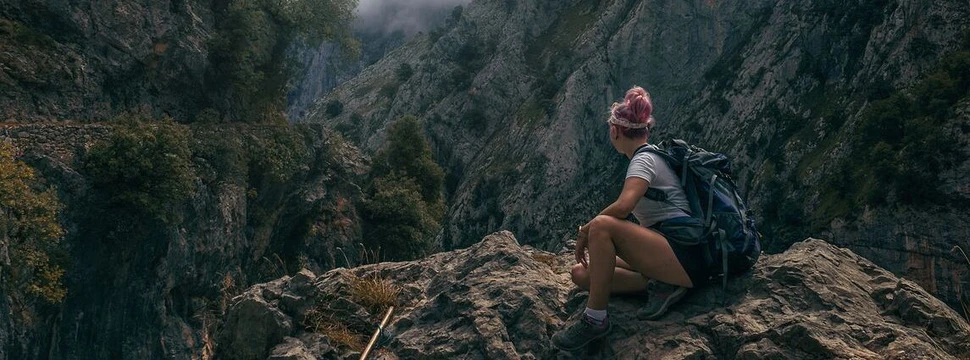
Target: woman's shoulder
[[647, 152]]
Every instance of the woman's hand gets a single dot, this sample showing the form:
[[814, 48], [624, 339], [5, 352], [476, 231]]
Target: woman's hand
[[582, 241]]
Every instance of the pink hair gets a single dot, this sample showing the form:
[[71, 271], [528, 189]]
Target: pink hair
[[635, 108]]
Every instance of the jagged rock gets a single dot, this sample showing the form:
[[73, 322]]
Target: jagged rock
[[500, 300], [256, 326], [291, 349]]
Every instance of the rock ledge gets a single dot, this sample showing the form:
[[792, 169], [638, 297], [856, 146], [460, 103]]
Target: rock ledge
[[500, 300]]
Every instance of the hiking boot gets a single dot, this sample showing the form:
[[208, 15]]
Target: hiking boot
[[579, 332], [660, 297]]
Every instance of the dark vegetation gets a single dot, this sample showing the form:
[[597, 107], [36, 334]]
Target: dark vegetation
[[250, 67], [903, 144], [32, 259], [450, 22], [334, 108], [904, 140], [404, 203], [149, 168], [144, 167], [404, 72]]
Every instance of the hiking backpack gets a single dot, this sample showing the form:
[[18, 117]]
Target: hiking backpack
[[714, 200]]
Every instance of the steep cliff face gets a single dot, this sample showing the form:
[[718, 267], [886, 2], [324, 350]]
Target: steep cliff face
[[381, 27], [141, 289], [88, 60], [514, 96], [328, 66], [499, 300]]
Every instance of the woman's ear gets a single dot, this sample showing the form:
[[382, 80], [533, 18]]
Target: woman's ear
[[612, 132]]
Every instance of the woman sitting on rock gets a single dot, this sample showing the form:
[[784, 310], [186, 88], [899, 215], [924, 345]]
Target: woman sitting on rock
[[624, 257]]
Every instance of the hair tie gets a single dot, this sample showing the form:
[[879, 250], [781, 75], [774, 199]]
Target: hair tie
[[621, 122]]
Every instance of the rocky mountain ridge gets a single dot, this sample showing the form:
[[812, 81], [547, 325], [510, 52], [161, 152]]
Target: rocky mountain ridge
[[500, 300], [513, 97]]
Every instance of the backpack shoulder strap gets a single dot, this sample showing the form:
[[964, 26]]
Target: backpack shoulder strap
[[654, 193]]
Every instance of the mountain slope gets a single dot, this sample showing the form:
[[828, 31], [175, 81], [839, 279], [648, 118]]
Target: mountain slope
[[514, 97]]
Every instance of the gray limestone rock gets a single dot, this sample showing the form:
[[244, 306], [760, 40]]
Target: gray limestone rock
[[499, 300]]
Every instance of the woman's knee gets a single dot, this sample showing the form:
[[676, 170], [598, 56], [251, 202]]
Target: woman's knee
[[580, 276], [601, 228], [602, 223]]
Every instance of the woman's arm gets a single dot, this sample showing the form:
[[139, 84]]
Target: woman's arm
[[633, 190]]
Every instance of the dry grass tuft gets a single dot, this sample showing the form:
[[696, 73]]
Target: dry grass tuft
[[547, 259], [338, 333], [320, 321], [374, 293], [227, 290], [208, 345]]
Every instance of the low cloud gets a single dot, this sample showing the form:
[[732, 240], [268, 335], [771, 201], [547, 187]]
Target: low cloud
[[408, 16]]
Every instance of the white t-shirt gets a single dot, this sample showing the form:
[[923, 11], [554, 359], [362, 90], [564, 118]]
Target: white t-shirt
[[652, 168]]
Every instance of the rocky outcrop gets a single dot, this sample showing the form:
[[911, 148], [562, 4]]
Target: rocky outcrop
[[499, 300], [513, 95]]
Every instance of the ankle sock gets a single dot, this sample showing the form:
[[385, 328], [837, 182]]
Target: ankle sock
[[595, 317]]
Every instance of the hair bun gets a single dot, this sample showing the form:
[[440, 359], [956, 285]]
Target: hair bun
[[638, 102]]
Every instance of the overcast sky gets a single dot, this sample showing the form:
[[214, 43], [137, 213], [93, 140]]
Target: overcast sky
[[409, 16]]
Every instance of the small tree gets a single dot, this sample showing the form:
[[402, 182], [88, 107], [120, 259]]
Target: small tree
[[409, 153], [399, 222], [404, 202], [334, 108], [145, 167]]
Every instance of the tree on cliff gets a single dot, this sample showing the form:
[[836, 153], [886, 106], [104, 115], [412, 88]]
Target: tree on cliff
[[31, 255], [144, 168], [404, 206]]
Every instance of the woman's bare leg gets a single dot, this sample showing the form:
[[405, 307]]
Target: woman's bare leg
[[644, 250], [620, 263], [625, 281]]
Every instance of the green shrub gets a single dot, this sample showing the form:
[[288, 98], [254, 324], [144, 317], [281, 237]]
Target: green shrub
[[883, 121], [399, 221], [470, 56], [21, 35], [474, 119], [276, 152], [404, 72], [209, 116], [334, 108], [219, 153], [30, 232], [404, 204], [435, 34], [409, 154], [901, 143], [459, 79], [145, 167]]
